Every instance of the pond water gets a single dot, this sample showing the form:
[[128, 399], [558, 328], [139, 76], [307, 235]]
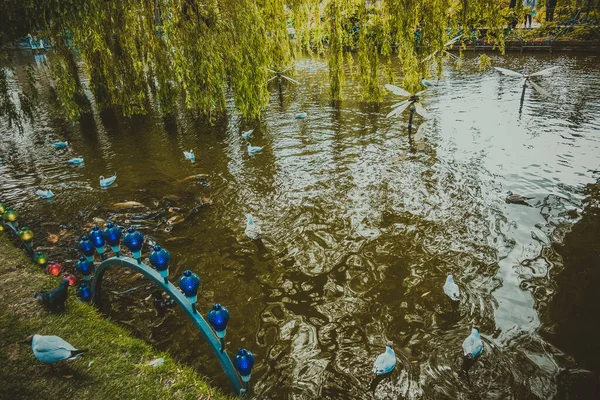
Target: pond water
[[361, 226]]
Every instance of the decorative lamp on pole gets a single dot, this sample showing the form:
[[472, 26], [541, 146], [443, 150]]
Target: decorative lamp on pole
[[84, 292], [70, 277], [10, 217], [159, 258], [41, 259], [53, 268], [189, 284], [3, 207], [243, 362], [134, 241], [26, 236], [113, 234], [218, 317], [85, 268], [87, 248], [97, 239]]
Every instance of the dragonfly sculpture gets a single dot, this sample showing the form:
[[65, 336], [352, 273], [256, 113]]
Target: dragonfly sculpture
[[413, 100], [412, 103], [280, 74], [526, 79], [447, 44]]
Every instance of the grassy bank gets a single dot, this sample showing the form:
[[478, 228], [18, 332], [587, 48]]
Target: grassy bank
[[115, 366]]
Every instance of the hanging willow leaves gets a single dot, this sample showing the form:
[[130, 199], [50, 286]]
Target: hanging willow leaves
[[195, 52]]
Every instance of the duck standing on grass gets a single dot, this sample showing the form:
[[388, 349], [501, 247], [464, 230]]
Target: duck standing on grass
[[51, 349], [54, 299], [385, 362]]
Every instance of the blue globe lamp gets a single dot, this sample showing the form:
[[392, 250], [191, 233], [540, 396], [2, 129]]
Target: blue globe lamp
[[159, 258], [189, 284], [112, 235], [218, 317], [84, 292], [85, 268], [134, 241], [97, 239], [243, 362], [87, 248]]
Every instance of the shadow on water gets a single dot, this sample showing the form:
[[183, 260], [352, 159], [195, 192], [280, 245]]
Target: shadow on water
[[572, 323]]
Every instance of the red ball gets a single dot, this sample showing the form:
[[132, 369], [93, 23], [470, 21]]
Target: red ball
[[71, 278], [53, 268]]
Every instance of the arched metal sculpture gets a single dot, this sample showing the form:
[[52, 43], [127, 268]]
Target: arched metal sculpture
[[200, 323], [238, 372]]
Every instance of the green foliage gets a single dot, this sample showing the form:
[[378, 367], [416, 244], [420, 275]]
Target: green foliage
[[198, 50], [484, 62]]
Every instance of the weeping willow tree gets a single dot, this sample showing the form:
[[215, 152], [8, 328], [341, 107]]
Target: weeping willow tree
[[196, 53]]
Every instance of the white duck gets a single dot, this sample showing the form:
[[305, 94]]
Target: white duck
[[189, 155], [51, 349], [473, 346], [451, 289], [253, 149], [45, 194], [106, 182], [60, 145], [385, 362], [76, 160], [246, 135], [252, 230]]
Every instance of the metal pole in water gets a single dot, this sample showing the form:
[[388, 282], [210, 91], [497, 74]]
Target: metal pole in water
[[410, 118]]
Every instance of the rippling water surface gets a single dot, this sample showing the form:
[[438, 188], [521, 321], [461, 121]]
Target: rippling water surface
[[361, 226]]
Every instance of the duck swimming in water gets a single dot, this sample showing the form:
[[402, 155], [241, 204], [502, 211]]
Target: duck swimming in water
[[516, 198], [385, 362]]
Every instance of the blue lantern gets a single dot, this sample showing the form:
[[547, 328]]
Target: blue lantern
[[87, 248], [243, 362], [189, 284], [134, 241], [112, 235], [84, 292], [218, 317], [159, 258], [97, 239], [84, 268]]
